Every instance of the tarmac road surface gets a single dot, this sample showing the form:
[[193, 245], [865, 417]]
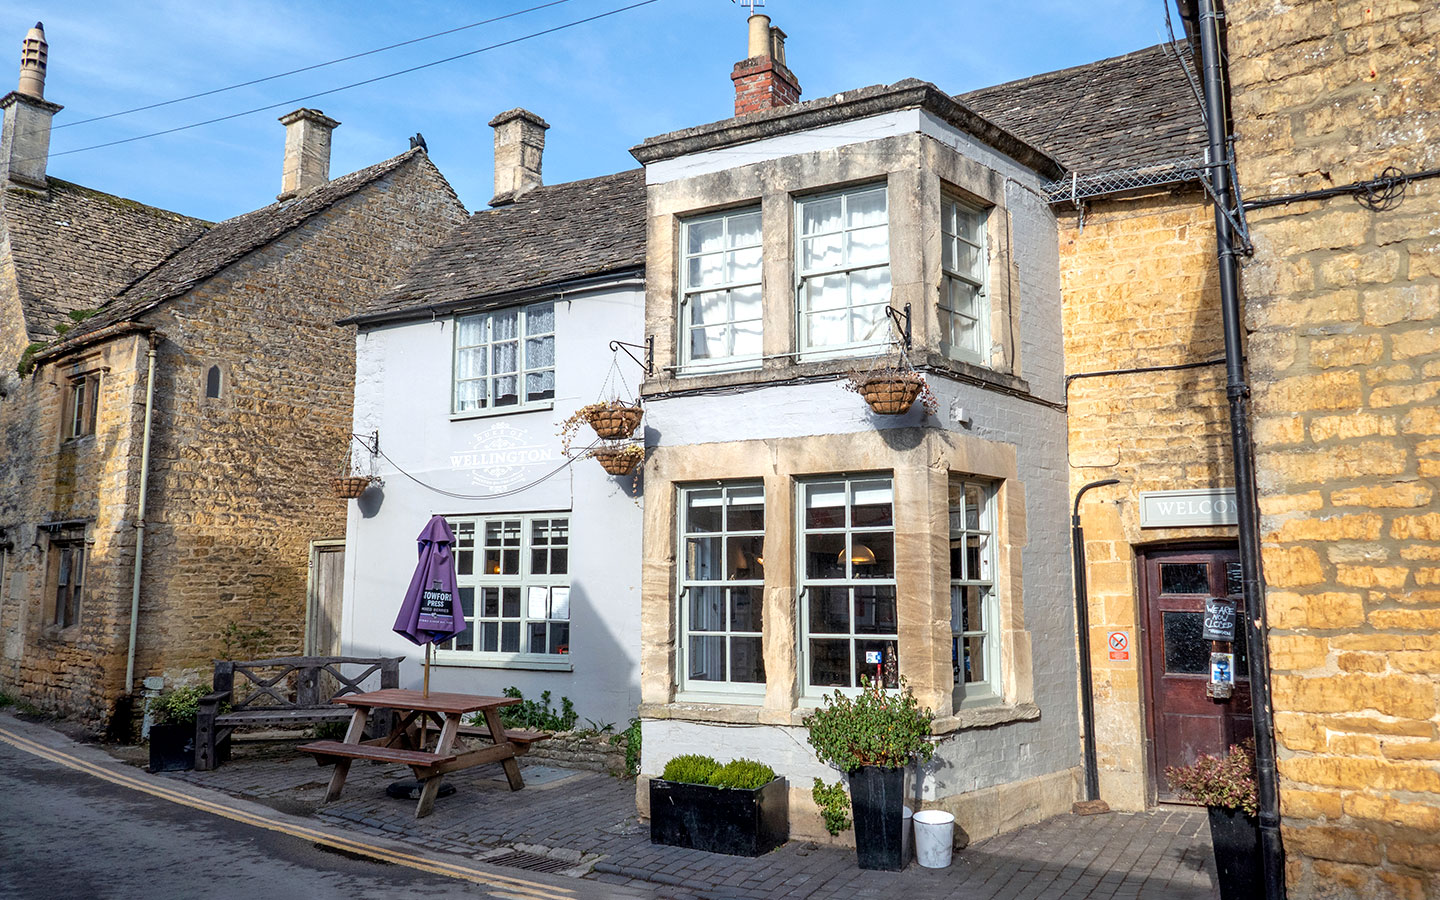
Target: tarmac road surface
[[78, 825]]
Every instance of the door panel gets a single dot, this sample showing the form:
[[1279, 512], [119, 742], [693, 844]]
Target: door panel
[[1182, 721], [327, 575]]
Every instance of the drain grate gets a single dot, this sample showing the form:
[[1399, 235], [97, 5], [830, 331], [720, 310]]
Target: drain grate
[[534, 862]]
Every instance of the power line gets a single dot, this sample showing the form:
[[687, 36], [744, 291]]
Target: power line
[[356, 84], [232, 87]]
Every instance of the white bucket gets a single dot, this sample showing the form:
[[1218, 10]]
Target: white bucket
[[907, 843], [934, 838]]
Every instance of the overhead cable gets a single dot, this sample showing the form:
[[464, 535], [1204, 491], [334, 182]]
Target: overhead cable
[[321, 65]]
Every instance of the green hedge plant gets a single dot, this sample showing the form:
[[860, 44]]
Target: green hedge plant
[[876, 728], [690, 768], [744, 774]]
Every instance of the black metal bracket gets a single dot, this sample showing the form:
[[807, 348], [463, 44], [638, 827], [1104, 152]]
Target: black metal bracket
[[902, 321], [648, 364], [370, 442]]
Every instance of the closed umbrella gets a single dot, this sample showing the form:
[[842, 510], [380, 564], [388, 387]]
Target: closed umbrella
[[429, 612]]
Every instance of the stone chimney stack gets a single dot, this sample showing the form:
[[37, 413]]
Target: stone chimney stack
[[519, 145], [307, 151], [762, 81], [25, 135]]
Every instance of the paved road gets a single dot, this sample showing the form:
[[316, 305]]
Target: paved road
[[74, 832]]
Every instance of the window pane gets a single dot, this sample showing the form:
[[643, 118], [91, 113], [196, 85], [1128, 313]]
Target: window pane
[[490, 637], [510, 602], [560, 637], [505, 391], [744, 556], [744, 266], [469, 395], [745, 609], [886, 671], [873, 501], [706, 271], [1234, 580], [746, 511], [826, 293], [975, 659], [825, 556], [969, 261], [704, 236], [821, 215], [1186, 653], [825, 505], [707, 608], [537, 638], [465, 640], [504, 326], [1184, 578], [830, 663], [711, 308], [559, 602], [467, 602], [827, 329], [872, 555], [509, 637], [829, 610], [868, 246], [704, 513], [490, 602], [504, 357], [540, 318], [537, 604], [746, 661], [747, 339], [540, 352], [744, 229], [865, 208], [708, 343], [540, 385], [703, 561], [706, 659], [745, 303], [471, 331], [821, 252], [868, 323], [875, 611]]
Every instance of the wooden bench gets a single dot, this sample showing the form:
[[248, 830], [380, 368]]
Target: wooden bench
[[289, 690], [326, 749], [521, 739]]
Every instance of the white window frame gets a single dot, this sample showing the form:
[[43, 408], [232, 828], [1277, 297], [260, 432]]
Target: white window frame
[[987, 690], [953, 243], [525, 579], [850, 582], [523, 368], [805, 348], [684, 583], [730, 361]]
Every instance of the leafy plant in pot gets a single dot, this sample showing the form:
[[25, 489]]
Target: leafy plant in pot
[[740, 808], [172, 728], [872, 737], [1226, 785]]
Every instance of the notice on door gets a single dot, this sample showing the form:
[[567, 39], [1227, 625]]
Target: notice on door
[[1119, 642]]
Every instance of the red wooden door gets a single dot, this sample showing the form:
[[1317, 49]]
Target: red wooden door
[[1182, 720]]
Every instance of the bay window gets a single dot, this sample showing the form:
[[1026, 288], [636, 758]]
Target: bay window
[[843, 263], [722, 576], [847, 582]]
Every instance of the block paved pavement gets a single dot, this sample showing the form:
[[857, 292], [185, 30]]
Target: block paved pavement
[[587, 822]]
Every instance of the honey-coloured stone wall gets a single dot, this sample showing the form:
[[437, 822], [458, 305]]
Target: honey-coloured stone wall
[[1343, 308]]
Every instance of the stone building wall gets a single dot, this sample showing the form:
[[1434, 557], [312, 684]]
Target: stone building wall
[[1139, 290], [1342, 304], [239, 485]]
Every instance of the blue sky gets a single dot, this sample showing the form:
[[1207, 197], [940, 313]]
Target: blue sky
[[603, 86]]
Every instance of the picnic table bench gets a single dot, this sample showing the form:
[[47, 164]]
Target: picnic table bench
[[284, 691]]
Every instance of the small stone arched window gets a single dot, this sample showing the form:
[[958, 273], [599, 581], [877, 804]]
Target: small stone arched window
[[212, 383]]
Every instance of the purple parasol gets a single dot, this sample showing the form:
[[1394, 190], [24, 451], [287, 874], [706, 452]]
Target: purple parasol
[[430, 612]]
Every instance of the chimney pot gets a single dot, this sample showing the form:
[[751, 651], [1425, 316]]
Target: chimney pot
[[25, 135], [307, 151], [519, 147], [761, 80]]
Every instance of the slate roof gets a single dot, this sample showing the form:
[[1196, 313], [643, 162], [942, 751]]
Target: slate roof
[[74, 247], [226, 243], [1119, 113], [552, 235]]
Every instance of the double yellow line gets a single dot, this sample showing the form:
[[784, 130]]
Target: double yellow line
[[504, 885]]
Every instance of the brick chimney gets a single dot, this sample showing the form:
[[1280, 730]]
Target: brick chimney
[[25, 135], [519, 145], [762, 81], [307, 151]]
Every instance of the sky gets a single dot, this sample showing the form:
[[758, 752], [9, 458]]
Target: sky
[[603, 86]]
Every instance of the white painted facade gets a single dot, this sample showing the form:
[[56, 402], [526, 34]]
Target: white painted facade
[[498, 463]]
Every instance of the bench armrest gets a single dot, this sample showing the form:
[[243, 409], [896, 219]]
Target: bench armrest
[[211, 702]]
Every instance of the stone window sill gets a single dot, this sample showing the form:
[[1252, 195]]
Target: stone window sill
[[819, 370], [985, 717]]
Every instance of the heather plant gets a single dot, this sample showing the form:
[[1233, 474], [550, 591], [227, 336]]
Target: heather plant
[[690, 768], [876, 728], [745, 774], [1224, 781]]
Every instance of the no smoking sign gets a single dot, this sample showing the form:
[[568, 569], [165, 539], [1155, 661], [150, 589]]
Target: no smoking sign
[[1119, 642]]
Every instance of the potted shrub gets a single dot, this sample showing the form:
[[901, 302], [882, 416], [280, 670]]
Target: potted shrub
[[740, 808], [172, 728], [872, 737], [892, 390], [1226, 785]]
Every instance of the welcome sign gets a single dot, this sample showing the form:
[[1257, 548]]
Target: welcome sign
[[1179, 509]]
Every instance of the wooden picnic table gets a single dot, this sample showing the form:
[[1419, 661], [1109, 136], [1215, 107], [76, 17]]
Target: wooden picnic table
[[409, 743]]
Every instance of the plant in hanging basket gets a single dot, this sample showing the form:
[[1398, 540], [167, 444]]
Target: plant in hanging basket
[[619, 460], [891, 390], [611, 419], [350, 487]]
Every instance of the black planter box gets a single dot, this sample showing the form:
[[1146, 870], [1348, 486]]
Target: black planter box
[[877, 799], [720, 820], [172, 748], [1238, 864]]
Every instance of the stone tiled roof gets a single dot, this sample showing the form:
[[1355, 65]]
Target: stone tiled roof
[[1119, 113], [552, 235], [74, 248], [229, 241]]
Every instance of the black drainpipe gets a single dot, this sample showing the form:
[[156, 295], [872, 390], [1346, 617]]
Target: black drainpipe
[[1082, 635], [1237, 389]]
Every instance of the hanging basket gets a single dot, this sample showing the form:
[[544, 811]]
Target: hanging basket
[[350, 487], [618, 460], [892, 395], [614, 421]]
